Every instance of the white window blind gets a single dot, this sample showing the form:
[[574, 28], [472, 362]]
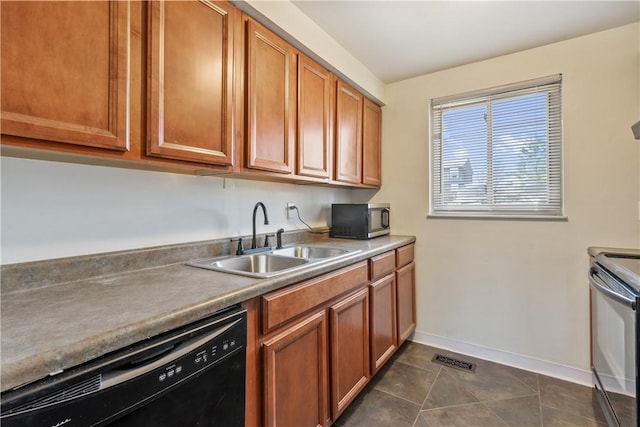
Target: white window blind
[[498, 152]]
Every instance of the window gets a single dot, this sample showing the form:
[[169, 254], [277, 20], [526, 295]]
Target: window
[[497, 152]]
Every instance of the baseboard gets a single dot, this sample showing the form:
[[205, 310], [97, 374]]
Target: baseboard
[[520, 361]]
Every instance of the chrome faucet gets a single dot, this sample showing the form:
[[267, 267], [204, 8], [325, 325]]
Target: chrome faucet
[[266, 221]]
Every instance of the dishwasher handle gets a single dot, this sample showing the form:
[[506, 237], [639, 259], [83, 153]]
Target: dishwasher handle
[[111, 379], [607, 290]]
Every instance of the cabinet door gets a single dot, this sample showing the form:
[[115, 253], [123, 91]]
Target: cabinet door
[[383, 321], [349, 349], [295, 366], [271, 101], [405, 254], [314, 119], [65, 72], [406, 295], [371, 143], [190, 61], [348, 144]]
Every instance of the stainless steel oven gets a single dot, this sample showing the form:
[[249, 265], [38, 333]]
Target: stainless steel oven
[[192, 376], [615, 297]]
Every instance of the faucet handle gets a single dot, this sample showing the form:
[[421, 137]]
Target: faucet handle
[[279, 238], [266, 239], [240, 249]]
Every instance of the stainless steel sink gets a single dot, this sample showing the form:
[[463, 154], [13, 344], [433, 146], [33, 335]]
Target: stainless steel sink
[[312, 252], [273, 262], [255, 265]]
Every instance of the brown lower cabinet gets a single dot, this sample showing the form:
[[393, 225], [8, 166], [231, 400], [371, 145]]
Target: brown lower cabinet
[[349, 320], [406, 294], [295, 364], [313, 346], [384, 331]]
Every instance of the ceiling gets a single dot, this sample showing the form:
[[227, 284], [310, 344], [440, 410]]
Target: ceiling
[[397, 39]]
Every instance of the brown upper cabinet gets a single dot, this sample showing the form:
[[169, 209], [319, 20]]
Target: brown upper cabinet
[[358, 136], [182, 86], [371, 143], [271, 101], [348, 134], [65, 72], [314, 119], [190, 81]]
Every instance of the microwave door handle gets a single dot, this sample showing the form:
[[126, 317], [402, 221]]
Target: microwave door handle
[[607, 291], [385, 218]]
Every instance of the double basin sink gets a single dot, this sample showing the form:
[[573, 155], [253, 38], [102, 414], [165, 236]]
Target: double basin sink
[[274, 261]]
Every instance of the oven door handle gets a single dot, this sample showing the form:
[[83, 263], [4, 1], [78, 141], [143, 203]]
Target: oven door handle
[[601, 286]]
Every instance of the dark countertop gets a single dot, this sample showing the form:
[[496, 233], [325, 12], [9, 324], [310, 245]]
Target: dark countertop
[[46, 329]]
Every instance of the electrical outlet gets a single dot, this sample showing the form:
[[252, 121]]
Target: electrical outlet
[[290, 206]]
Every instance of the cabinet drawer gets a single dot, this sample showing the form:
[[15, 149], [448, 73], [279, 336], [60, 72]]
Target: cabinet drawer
[[404, 255], [285, 304], [381, 265]]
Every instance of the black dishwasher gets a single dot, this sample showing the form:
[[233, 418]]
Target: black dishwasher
[[191, 376]]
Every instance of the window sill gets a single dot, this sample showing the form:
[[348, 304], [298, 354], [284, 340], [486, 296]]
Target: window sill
[[508, 217]]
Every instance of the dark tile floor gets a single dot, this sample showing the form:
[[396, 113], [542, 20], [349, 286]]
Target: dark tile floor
[[413, 391]]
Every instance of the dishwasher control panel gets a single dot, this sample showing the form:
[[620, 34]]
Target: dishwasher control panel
[[221, 346]]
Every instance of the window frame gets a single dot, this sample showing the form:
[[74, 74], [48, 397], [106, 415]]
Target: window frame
[[555, 173]]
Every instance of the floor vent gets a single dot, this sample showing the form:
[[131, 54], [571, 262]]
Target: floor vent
[[450, 362]]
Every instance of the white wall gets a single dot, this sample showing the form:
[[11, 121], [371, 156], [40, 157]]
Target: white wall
[[52, 210], [516, 291]]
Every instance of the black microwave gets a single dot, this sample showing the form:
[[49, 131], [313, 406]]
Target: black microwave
[[360, 220]]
